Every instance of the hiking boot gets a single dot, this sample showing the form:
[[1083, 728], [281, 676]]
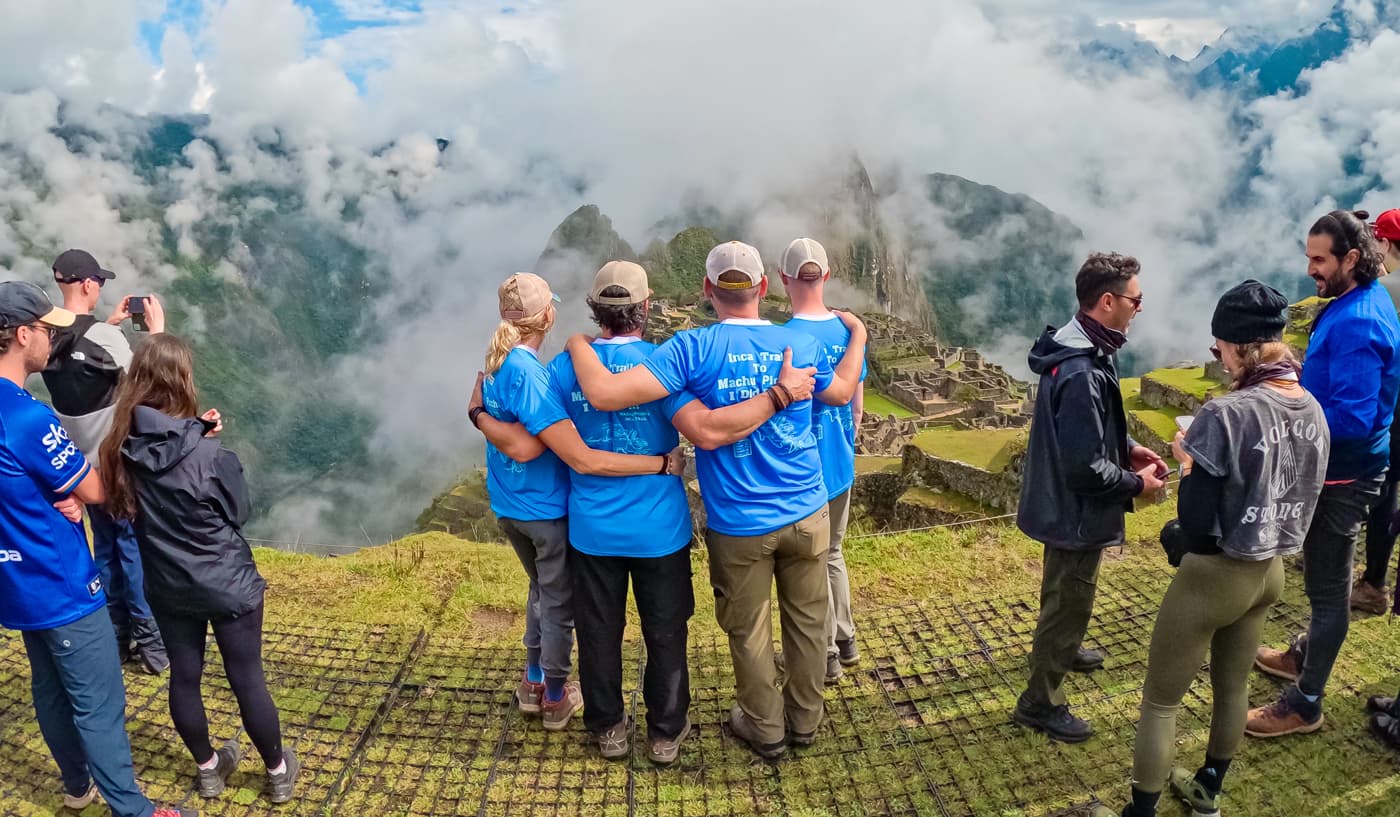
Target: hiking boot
[[1286, 664], [556, 714], [833, 668], [1057, 723], [1383, 704], [663, 751], [613, 742], [1194, 793], [1086, 660], [1291, 714], [81, 801], [849, 652], [174, 811], [1368, 598], [211, 781], [279, 786], [150, 648], [744, 729], [1387, 729], [528, 695]]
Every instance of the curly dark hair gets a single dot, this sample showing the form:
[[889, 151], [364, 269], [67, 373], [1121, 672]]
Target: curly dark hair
[[1349, 231], [619, 319], [1103, 272], [7, 336]]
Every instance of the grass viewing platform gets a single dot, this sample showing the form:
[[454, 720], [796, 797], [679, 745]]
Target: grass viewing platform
[[394, 669]]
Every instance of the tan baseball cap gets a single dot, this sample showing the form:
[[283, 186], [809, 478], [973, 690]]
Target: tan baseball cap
[[734, 256], [804, 251], [625, 275], [523, 295]]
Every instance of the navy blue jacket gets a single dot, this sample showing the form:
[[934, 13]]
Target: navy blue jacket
[[1076, 484]]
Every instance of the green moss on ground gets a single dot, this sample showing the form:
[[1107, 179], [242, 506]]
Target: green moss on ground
[[877, 403], [990, 450], [866, 464], [1190, 381]]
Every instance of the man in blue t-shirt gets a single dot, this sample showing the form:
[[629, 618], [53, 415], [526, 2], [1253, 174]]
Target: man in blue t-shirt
[[764, 497], [650, 547], [805, 270], [49, 587]]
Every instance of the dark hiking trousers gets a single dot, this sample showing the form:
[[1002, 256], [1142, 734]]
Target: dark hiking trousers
[[665, 603], [1067, 586]]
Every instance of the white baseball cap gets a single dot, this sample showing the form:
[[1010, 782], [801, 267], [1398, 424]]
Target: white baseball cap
[[804, 251], [734, 256]]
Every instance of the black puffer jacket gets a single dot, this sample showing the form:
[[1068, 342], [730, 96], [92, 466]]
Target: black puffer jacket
[[191, 502], [1076, 484]]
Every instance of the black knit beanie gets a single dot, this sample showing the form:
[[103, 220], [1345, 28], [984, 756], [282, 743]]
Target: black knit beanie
[[1250, 312]]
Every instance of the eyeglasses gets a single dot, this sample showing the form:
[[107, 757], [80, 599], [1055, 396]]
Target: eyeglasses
[[49, 330], [1215, 350], [1137, 302]]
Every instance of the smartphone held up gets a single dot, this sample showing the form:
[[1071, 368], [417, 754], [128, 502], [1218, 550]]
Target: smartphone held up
[[136, 306]]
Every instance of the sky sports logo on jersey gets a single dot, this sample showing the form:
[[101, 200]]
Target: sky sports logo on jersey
[[57, 441]]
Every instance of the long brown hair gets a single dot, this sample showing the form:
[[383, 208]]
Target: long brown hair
[[161, 376], [1254, 356]]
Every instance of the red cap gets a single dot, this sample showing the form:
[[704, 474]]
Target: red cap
[[1387, 225]]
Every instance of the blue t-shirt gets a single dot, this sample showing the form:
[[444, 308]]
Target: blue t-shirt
[[773, 477], [520, 392], [834, 425], [47, 577], [641, 516]]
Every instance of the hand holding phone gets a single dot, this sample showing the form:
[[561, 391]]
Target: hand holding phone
[[136, 307], [1184, 422]]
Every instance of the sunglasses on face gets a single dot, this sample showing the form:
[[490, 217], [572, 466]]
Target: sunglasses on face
[[1215, 350], [1137, 302]]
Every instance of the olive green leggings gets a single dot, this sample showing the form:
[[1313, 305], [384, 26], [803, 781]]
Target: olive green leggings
[[1216, 602]]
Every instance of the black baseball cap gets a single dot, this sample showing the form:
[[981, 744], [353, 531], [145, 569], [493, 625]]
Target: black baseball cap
[[23, 303], [75, 265]]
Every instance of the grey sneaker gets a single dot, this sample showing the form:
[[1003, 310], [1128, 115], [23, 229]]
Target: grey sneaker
[[664, 751], [82, 801], [613, 743], [528, 695], [210, 782], [849, 652], [556, 714], [1195, 795], [280, 785], [833, 668]]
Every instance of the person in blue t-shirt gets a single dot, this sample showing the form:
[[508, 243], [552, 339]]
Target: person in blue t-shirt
[[651, 548], [49, 586], [530, 489], [805, 270], [1353, 369], [764, 498]]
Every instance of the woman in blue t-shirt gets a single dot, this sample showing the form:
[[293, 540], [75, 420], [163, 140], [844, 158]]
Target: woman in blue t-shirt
[[530, 491]]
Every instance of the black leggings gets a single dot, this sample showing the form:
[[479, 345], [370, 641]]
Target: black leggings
[[240, 645]]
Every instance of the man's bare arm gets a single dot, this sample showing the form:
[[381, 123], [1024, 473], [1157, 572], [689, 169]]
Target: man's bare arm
[[847, 380], [713, 428], [605, 390]]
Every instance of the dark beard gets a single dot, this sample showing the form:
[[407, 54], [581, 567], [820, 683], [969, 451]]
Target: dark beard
[[1333, 288]]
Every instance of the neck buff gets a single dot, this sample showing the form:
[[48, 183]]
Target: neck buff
[[1106, 340]]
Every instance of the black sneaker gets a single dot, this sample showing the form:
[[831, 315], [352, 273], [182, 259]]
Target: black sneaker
[[210, 782], [1086, 660], [744, 730], [1387, 729], [849, 652], [1383, 704], [279, 786], [1057, 723], [833, 668]]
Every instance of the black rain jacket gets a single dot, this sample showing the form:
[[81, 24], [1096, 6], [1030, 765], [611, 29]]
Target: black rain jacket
[[1076, 484], [191, 503]]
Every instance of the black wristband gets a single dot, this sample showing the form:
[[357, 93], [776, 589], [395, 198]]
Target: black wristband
[[665, 464], [475, 416]]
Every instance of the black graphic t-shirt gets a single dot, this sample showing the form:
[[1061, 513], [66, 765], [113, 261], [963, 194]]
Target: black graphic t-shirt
[[1272, 452]]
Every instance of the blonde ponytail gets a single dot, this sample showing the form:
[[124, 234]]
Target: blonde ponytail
[[510, 334]]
